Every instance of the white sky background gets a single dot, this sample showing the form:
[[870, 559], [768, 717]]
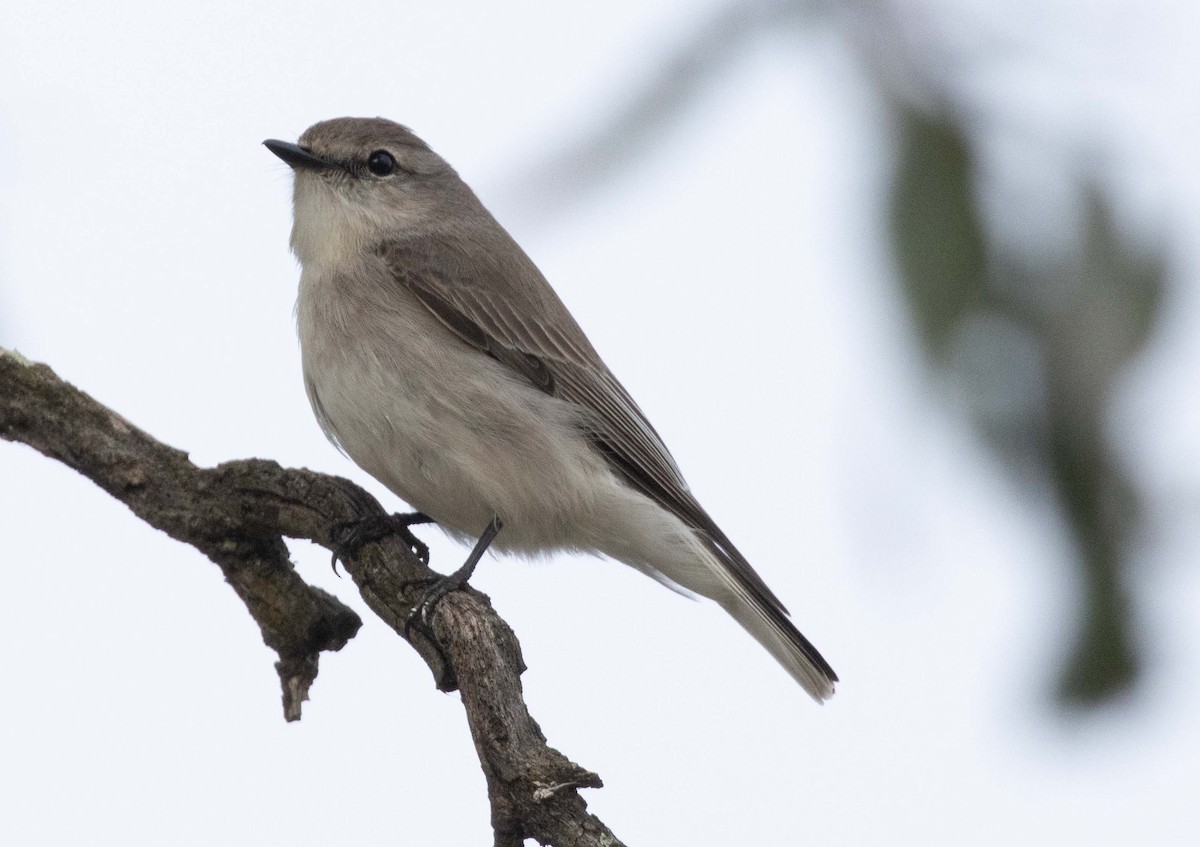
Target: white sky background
[[736, 281]]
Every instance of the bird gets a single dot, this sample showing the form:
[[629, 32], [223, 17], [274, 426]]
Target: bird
[[438, 358]]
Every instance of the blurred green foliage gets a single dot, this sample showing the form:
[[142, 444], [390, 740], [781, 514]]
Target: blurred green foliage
[[1035, 344], [939, 242]]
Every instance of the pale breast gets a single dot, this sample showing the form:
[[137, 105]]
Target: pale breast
[[445, 427]]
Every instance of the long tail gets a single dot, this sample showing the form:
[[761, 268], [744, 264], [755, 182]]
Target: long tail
[[753, 605], [773, 630], [703, 561]]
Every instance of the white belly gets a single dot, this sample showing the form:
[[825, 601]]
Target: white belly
[[443, 426]]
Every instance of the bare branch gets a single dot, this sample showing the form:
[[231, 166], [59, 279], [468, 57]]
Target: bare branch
[[238, 514]]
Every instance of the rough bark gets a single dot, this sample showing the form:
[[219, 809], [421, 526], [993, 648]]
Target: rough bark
[[238, 515]]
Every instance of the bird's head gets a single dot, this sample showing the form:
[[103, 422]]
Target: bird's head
[[359, 181]]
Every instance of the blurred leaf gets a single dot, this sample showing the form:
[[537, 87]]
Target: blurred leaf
[[1035, 344], [1100, 506], [1090, 344], [938, 238]]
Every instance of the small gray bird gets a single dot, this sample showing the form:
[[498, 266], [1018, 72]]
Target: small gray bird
[[438, 358]]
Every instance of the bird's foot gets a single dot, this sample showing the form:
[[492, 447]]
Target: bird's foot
[[420, 616], [349, 537]]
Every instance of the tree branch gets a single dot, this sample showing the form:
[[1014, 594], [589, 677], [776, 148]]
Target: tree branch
[[238, 513]]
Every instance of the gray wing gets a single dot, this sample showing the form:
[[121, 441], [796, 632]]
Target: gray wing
[[509, 312]]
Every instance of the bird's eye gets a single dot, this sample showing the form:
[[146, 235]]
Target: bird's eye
[[381, 163]]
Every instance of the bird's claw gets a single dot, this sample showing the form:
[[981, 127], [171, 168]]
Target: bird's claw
[[349, 537]]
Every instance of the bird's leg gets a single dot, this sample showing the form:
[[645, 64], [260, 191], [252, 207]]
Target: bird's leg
[[419, 616], [349, 537]]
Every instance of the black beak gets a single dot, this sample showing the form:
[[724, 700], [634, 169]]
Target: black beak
[[297, 156]]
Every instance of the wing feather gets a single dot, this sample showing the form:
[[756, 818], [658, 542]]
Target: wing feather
[[528, 329]]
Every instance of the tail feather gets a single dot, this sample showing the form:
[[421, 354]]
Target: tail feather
[[772, 629], [761, 614], [661, 545]]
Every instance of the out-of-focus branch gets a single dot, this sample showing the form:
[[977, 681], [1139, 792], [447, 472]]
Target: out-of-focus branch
[[238, 514], [640, 121]]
